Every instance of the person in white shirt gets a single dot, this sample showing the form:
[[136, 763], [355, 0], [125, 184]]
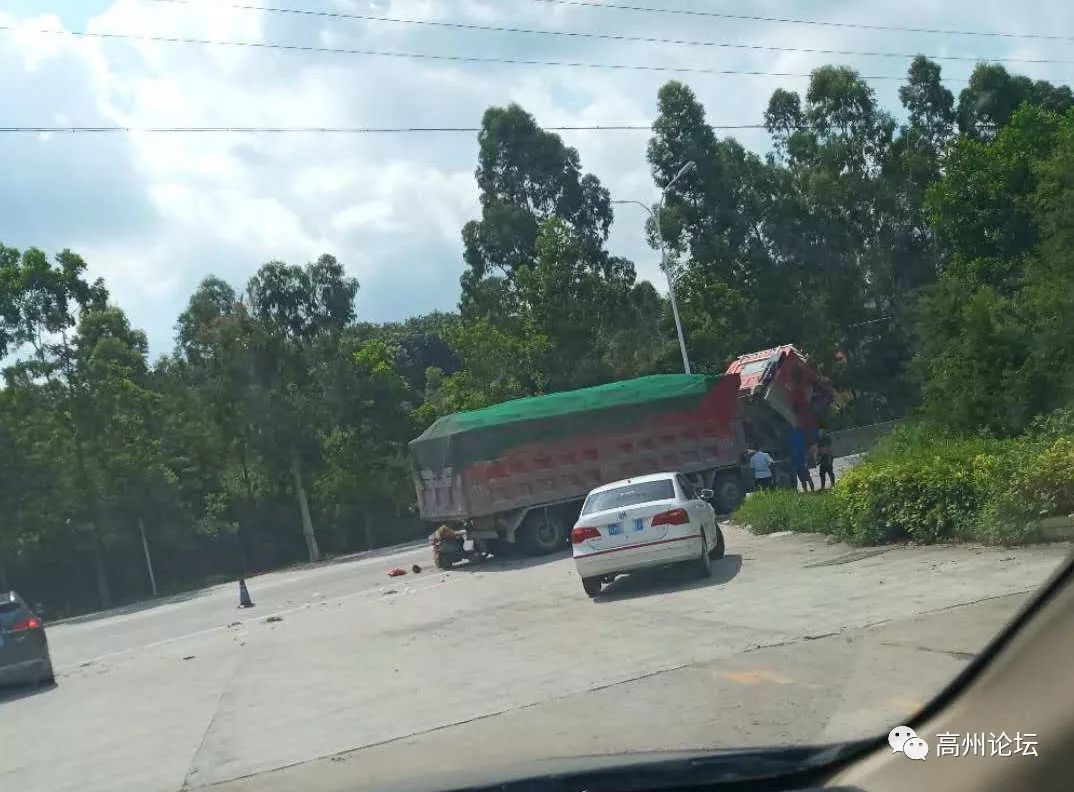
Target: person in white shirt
[[761, 465]]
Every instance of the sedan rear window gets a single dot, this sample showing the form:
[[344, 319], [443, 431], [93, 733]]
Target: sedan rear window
[[629, 495]]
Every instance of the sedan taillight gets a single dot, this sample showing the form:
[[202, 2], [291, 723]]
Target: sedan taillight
[[29, 623], [583, 532], [673, 517]]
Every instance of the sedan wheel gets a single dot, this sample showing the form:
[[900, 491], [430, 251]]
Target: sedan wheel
[[591, 586], [48, 676], [718, 551], [703, 565]]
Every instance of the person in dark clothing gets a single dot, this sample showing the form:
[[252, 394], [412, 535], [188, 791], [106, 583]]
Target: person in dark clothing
[[827, 461]]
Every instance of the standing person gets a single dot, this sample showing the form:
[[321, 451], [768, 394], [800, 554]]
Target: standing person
[[827, 461], [799, 459], [761, 465]]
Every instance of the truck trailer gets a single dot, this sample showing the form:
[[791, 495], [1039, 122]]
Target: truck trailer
[[518, 472]]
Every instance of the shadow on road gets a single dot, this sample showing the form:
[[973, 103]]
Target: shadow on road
[[508, 562], [13, 693], [646, 582]]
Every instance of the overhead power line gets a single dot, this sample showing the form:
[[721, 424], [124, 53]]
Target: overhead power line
[[622, 38], [637, 67], [336, 130], [817, 22]]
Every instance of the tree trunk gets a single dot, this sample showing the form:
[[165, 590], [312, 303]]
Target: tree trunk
[[104, 591], [304, 508]]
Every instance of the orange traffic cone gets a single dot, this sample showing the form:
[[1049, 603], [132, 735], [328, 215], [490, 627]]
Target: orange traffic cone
[[244, 595]]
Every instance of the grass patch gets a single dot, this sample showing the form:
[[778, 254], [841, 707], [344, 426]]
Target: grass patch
[[924, 486], [787, 510]]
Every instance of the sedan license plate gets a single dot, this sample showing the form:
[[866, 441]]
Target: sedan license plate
[[614, 529]]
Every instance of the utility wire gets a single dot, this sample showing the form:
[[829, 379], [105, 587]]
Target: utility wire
[[818, 22], [638, 67], [607, 36], [334, 130]]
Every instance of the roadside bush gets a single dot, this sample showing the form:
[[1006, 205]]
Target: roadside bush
[[1036, 482], [927, 491], [925, 486]]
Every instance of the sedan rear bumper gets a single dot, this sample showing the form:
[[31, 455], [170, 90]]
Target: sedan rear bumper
[[651, 554]]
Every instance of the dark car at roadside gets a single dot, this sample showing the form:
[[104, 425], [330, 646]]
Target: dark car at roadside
[[24, 655]]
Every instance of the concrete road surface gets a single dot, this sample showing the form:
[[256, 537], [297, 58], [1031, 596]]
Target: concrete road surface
[[359, 680]]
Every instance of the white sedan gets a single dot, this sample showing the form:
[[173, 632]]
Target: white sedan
[[644, 521]]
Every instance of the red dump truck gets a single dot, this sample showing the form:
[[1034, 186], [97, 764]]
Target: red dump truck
[[519, 471]]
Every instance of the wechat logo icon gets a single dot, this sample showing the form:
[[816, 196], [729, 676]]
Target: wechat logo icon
[[904, 740]]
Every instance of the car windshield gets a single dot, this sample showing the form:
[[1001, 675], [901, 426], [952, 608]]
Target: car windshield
[[629, 495], [328, 329], [754, 367]]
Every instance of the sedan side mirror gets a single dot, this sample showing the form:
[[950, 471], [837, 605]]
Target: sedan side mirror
[[707, 495]]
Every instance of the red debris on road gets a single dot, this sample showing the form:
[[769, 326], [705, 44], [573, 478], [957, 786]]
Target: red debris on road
[[396, 572]]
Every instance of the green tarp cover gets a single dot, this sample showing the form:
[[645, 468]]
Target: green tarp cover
[[463, 438]]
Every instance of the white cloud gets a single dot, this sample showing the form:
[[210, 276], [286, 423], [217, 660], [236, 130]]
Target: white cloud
[[154, 213]]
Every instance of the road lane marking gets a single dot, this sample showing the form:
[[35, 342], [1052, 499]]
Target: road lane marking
[[244, 622]]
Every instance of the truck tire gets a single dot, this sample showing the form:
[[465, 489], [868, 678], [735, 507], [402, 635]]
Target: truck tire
[[543, 532], [728, 492]]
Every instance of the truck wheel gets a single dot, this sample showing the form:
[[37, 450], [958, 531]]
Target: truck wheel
[[543, 533], [728, 493], [591, 586]]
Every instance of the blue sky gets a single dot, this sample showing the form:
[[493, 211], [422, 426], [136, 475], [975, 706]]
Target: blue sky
[[154, 214]]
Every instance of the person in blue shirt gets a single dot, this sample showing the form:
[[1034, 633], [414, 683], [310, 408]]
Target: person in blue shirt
[[761, 465], [797, 441]]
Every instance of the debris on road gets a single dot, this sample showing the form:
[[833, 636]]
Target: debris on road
[[190, 657], [272, 619], [389, 591], [416, 569], [397, 572], [235, 624]]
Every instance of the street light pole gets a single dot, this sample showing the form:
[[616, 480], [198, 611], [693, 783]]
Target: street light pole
[[665, 265]]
